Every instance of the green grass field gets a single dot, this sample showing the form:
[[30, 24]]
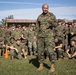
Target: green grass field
[[29, 66]]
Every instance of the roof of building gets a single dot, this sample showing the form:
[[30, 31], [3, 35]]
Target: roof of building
[[20, 21]]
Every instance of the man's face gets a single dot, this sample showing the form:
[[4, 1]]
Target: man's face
[[75, 24], [31, 28], [56, 40], [60, 23], [72, 43], [1, 42], [45, 8], [12, 40], [18, 42]]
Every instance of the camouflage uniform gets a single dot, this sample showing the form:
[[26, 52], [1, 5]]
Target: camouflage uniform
[[45, 36], [32, 43], [59, 50], [2, 47], [66, 33], [16, 33], [12, 52], [2, 39], [73, 30], [7, 36], [71, 52], [2, 32], [62, 33], [59, 32], [70, 35], [65, 36], [24, 31], [12, 32], [19, 48]]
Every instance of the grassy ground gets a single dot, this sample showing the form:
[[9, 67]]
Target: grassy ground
[[29, 66]]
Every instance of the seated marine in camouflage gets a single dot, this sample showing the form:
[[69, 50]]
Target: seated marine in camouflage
[[59, 48], [73, 31], [2, 47], [71, 52], [11, 44], [20, 49]]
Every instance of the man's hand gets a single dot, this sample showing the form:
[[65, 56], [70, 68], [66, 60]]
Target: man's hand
[[11, 47], [34, 37], [69, 56], [72, 33], [49, 21]]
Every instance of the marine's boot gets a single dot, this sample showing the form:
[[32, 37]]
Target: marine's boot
[[52, 68], [40, 67]]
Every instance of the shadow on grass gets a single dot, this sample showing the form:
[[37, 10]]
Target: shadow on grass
[[35, 62]]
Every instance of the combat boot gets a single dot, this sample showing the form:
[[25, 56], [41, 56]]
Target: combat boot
[[40, 67], [52, 68]]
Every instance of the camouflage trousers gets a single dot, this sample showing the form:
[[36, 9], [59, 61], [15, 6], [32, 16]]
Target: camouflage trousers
[[12, 53], [19, 56], [1, 52], [60, 53], [46, 45], [64, 42], [32, 45]]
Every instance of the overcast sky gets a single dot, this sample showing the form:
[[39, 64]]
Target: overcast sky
[[30, 9]]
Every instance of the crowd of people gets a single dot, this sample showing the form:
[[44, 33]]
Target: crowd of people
[[56, 39], [20, 41], [64, 39]]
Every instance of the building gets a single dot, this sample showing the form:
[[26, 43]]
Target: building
[[21, 22]]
